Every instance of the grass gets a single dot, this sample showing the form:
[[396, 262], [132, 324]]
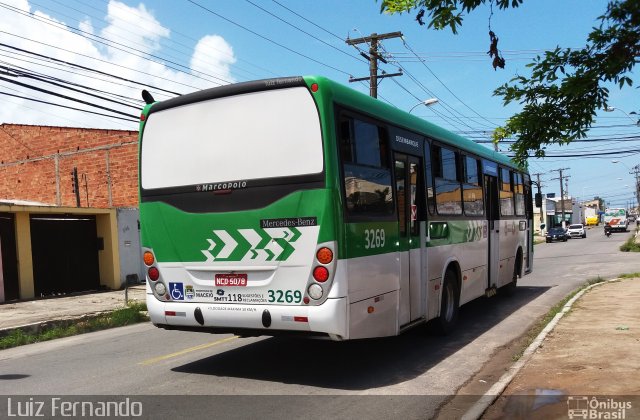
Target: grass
[[630, 245], [629, 275], [545, 319], [131, 314]]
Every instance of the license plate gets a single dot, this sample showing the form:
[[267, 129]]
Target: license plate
[[229, 280]]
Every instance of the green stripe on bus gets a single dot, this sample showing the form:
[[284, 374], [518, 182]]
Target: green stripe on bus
[[179, 236]]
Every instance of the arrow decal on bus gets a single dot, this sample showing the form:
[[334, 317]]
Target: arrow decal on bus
[[272, 244]]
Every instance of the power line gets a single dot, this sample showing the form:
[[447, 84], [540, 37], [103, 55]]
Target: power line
[[446, 106], [114, 44], [586, 155], [128, 30], [119, 6], [307, 20], [305, 32], [90, 69], [66, 69], [267, 39], [66, 97], [138, 103], [31, 76], [407, 46], [68, 107]]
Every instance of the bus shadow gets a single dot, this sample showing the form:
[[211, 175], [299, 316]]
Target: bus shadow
[[359, 364]]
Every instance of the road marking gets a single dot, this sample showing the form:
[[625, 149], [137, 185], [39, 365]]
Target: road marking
[[185, 351]]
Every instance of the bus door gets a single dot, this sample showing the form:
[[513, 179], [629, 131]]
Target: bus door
[[491, 203], [408, 174]]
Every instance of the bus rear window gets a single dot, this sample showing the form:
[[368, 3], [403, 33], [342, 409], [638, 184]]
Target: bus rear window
[[258, 135]]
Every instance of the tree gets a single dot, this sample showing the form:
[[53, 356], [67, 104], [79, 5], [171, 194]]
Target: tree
[[566, 87]]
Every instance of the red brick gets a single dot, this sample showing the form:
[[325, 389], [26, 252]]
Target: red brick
[[27, 164]]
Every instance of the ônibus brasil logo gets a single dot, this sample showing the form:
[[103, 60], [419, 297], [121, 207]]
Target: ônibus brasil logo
[[597, 408]]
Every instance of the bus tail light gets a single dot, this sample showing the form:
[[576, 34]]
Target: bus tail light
[[321, 274], [148, 258], [315, 291], [160, 289], [324, 255], [153, 273]]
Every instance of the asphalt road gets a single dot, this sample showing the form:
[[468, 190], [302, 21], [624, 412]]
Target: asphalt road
[[407, 376]]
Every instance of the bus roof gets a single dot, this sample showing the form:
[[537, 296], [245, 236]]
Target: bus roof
[[380, 110], [347, 97]]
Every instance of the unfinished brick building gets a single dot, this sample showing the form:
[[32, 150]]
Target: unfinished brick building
[[49, 246], [36, 163]]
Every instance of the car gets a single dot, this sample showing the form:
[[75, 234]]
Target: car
[[577, 231], [557, 234]]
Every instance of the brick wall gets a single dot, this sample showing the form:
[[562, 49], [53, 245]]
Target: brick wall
[[36, 164]]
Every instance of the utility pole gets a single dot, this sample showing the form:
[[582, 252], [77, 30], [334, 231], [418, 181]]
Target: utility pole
[[561, 178], [636, 172], [539, 185], [373, 57]]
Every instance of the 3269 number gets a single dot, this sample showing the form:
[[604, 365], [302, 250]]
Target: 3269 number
[[374, 238], [288, 296]]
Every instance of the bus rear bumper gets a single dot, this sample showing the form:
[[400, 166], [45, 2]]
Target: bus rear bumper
[[329, 318]]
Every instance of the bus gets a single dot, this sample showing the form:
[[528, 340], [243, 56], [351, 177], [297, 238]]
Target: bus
[[616, 218], [300, 206]]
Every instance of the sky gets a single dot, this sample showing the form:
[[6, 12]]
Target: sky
[[172, 47]]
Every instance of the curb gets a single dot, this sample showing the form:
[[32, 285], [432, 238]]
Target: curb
[[36, 327], [39, 326], [480, 406]]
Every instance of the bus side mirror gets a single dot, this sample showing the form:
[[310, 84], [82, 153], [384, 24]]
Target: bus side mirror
[[542, 226], [538, 200]]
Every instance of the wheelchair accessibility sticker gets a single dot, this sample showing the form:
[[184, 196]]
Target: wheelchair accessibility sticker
[[177, 291]]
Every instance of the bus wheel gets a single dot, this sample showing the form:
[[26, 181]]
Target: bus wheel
[[449, 304], [510, 288]]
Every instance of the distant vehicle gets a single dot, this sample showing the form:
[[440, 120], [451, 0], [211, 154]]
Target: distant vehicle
[[591, 217], [557, 234], [577, 231], [617, 219]]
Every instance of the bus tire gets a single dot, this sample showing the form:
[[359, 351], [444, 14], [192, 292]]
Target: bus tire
[[449, 304], [510, 288]]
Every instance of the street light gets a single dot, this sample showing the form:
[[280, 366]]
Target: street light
[[611, 109], [623, 164], [426, 102]]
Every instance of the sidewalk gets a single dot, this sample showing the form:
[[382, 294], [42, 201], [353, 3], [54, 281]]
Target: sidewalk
[[36, 312], [588, 366]]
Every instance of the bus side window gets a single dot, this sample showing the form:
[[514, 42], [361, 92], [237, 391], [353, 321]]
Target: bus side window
[[431, 201], [472, 187], [446, 174], [519, 187], [345, 139], [506, 193], [365, 162]]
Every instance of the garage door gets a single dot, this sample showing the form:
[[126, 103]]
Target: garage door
[[65, 254]]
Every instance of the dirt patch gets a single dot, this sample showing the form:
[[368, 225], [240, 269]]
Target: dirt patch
[[480, 383], [593, 351]]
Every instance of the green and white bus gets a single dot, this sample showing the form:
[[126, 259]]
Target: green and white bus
[[299, 205]]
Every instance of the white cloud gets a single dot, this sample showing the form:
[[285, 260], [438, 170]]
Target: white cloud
[[213, 54], [134, 27], [86, 26]]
